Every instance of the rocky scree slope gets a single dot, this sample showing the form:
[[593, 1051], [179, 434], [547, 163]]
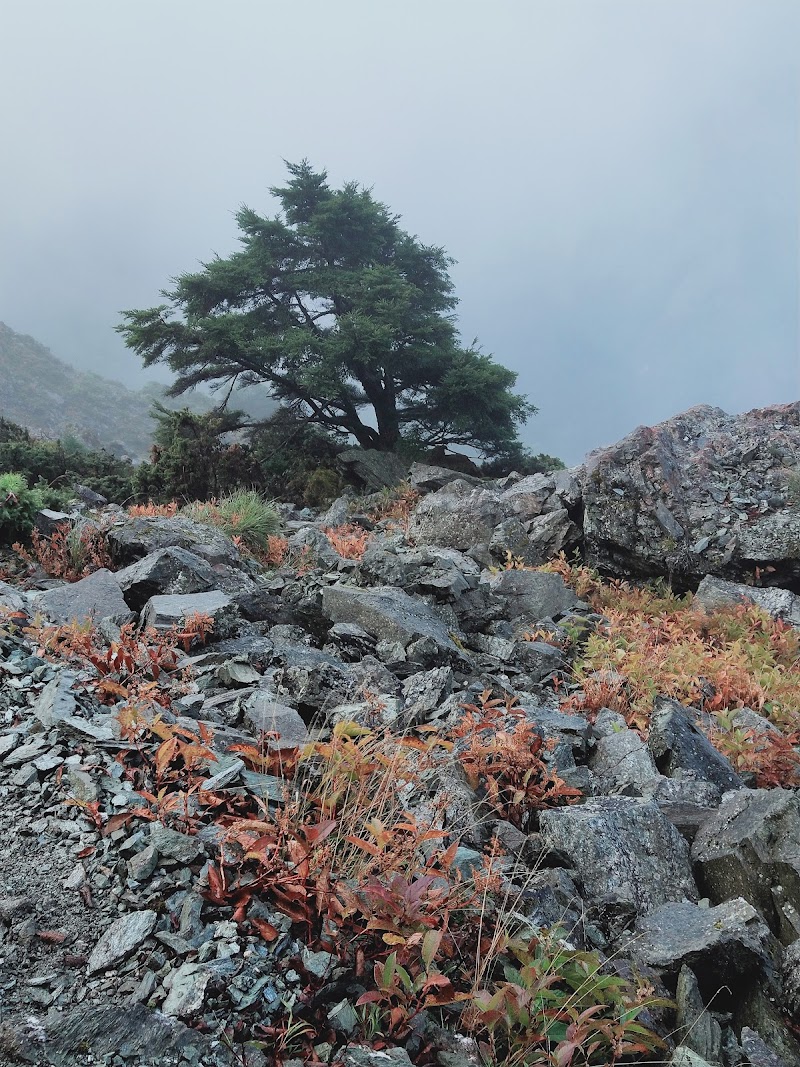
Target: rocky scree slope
[[141, 922]]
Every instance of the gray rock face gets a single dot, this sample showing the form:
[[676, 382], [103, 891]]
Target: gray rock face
[[751, 848], [532, 595], [458, 516], [372, 470], [726, 945], [702, 493], [95, 597], [167, 612], [176, 571], [389, 615], [136, 537], [626, 855], [121, 939], [677, 745], [714, 593]]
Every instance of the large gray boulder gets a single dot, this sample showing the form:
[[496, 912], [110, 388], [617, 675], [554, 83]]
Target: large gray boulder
[[458, 516], [132, 538], [751, 848], [264, 714], [729, 945], [428, 478], [390, 615], [95, 597], [714, 593], [442, 572], [627, 857], [176, 570], [371, 469], [702, 493], [529, 596], [678, 745]]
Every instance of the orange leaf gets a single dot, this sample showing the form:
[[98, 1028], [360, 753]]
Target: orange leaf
[[267, 930]]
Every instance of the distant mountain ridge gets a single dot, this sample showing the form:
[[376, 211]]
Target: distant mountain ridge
[[52, 399]]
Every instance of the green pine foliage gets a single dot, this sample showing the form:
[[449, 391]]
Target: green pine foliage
[[55, 466], [341, 314]]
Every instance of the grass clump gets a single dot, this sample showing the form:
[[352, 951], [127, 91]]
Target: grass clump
[[244, 515]]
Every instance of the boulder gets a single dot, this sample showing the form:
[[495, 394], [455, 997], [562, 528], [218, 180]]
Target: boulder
[[171, 611], [11, 601], [623, 759], [132, 538], [95, 597], [311, 544], [751, 848], [178, 571], [714, 593], [728, 945], [530, 596], [702, 493], [428, 479], [372, 470], [264, 714], [536, 494], [390, 615], [441, 572], [678, 745], [626, 855], [48, 521], [458, 516]]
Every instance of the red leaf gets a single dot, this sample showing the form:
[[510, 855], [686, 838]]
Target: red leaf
[[51, 937], [267, 930]]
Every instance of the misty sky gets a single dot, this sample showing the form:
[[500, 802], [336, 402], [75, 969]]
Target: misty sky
[[617, 179]]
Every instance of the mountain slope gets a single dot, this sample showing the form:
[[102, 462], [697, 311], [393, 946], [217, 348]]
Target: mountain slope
[[51, 398]]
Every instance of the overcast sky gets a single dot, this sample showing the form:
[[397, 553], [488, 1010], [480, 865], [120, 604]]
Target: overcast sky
[[617, 179]]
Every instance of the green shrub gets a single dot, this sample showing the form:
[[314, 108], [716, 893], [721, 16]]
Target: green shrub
[[18, 507], [322, 486], [55, 466], [243, 513]]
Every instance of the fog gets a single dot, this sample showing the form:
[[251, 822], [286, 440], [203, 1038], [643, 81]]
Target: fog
[[617, 179]]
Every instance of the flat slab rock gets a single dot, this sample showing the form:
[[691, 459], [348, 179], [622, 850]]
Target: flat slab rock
[[134, 1032], [121, 939], [168, 611], [95, 597], [388, 614]]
